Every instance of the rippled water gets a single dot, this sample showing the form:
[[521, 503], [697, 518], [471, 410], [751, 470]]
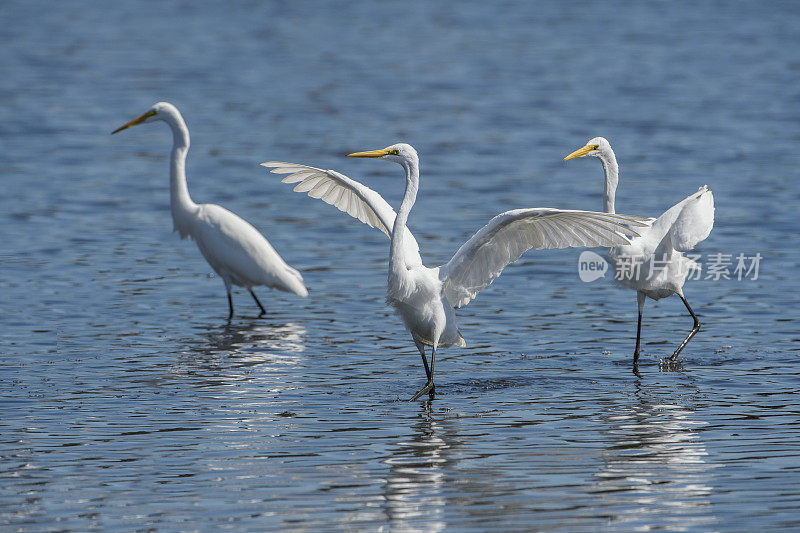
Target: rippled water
[[128, 402]]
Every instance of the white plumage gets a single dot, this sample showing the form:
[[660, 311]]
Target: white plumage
[[653, 264], [508, 235], [236, 250], [424, 297]]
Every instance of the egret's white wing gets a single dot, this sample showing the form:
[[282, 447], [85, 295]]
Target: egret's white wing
[[508, 235], [240, 253], [695, 222], [685, 224], [350, 196]]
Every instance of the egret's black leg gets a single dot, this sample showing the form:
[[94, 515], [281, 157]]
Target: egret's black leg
[[429, 387], [691, 334], [263, 311], [421, 349], [230, 306], [433, 360], [638, 339], [636, 350], [640, 300]]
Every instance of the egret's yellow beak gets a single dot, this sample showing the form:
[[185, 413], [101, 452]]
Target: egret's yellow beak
[[134, 122], [580, 152], [373, 153]]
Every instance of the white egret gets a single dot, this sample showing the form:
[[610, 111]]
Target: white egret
[[236, 251], [425, 297], [653, 264]]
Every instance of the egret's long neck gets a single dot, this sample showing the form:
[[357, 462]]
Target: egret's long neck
[[396, 259], [611, 170], [181, 203]]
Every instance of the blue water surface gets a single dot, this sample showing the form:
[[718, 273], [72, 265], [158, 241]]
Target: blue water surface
[[129, 403]]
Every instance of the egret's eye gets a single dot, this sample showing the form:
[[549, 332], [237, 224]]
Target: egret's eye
[[594, 146], [394, 151]]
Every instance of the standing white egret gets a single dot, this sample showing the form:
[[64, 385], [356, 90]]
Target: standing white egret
[[653, 264], [425, 297], [236, 251]]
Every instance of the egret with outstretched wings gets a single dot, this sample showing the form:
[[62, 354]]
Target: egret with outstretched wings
[[425, 297]]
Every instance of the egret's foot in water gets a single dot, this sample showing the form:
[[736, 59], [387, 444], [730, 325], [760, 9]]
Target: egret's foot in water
[[429, 387], [670, 364]]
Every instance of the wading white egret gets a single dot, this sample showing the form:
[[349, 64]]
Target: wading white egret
[[653, 264], [425, 297], [236, 251]]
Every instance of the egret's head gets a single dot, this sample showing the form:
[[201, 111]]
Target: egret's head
[[159, 111], [596, 147], [401, 153]]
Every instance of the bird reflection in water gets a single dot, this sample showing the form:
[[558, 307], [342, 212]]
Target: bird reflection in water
[[415, 485], [256, 336], [233, 352], [655, 471]]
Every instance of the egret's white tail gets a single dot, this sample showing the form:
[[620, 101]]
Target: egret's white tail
[[293, 282], [460, 341]]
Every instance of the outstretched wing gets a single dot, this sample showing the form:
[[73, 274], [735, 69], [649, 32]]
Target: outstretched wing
[[508, 235], [350, 196], [685, 224]]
